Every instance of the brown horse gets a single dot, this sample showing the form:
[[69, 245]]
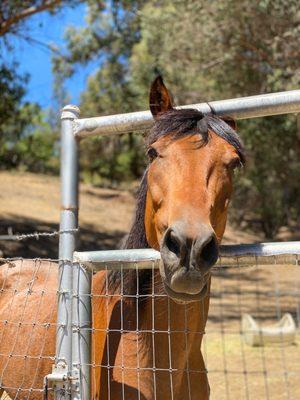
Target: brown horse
[[147, 325]]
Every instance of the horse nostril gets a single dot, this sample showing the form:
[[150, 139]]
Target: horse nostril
[[209, 253], [172, 243]]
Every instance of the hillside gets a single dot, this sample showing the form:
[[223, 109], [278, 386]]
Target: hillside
[[30, 203]]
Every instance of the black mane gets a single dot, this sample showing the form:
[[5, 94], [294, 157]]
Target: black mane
[[177, 123]]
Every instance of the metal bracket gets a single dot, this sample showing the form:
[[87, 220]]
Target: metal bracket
[[75, 380], [61, 381]]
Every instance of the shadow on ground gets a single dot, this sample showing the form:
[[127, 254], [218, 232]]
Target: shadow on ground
[[47, 247]]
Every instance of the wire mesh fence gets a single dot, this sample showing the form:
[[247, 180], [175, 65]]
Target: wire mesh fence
[[28, 291], [238, 370], [145, 345]]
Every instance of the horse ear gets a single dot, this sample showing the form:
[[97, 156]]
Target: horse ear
[[231, 122], [160, 100]]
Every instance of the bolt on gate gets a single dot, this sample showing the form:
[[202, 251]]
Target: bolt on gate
[[70, 377]]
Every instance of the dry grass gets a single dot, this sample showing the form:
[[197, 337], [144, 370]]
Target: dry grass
[[30, 203], [239, 371]]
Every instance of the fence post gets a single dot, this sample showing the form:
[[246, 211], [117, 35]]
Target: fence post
[[67, 241], [82, 324]]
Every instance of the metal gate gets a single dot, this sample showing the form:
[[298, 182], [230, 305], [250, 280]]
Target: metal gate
[[71, 372]]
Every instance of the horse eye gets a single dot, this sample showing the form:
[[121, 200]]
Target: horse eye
[[236, 163], [152, 153]]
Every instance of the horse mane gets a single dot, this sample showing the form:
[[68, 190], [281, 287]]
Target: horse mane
[[176, 123], [136, 239], [189, 122]]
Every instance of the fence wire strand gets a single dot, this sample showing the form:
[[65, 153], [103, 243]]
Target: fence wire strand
[[36, 235]]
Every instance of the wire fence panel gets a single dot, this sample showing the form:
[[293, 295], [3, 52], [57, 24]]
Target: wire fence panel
[[238, 370], [28, 291], [146, 346], [141, 338]]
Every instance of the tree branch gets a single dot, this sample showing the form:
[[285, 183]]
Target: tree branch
[[5, 25]]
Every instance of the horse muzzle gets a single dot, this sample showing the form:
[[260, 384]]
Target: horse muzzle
[[187, 262]]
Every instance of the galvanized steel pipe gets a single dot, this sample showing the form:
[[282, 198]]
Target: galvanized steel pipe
[[67, 242], [241, 108], [81, 331], [246, 254]]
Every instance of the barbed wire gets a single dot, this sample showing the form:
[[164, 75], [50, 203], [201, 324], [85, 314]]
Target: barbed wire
[[37, 235]]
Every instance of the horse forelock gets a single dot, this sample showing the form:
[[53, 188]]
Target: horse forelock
[[188, 122]]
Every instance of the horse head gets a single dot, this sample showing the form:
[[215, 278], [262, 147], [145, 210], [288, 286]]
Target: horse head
[[188, 190]]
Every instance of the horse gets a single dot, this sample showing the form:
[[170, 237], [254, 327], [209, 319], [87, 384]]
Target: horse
[[148, 324]]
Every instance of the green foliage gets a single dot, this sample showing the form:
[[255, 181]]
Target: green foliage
[[107, 161], [121, 158], [12, 91], [28, 142], [267, 193], [26, 138], [219, 49], [37, 150]]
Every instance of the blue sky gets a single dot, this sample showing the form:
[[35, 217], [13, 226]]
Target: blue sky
[[35, 59]]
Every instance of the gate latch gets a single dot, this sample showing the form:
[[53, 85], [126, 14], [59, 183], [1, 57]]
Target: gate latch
[[60, 380]]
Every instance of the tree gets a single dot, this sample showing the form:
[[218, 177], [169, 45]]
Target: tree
[[26, 139], [14, 13], [14, 115]]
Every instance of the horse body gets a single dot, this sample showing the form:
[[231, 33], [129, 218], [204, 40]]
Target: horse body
[[28, 318], [147, 325]]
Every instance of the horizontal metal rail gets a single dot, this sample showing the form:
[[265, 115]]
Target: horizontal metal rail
[[241, 108], [230, 255], [97, 260], [9, 237]]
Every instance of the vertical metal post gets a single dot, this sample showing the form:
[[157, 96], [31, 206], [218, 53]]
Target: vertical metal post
[[68, 224], [82, 324]]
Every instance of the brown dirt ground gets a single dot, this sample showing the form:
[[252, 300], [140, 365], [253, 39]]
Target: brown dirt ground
[[30, 202]]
